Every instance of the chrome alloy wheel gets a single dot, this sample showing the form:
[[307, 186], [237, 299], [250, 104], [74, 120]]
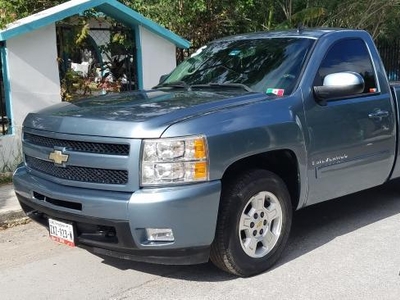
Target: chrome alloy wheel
[[260, 224]]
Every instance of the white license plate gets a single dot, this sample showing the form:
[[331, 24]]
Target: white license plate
[[61, 232]]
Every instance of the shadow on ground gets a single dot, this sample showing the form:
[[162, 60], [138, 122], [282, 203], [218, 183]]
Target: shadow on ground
[[312, 228]]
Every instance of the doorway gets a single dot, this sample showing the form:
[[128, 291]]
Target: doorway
[[102, 61]]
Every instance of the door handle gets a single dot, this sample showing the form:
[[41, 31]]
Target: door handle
[[379, 114]]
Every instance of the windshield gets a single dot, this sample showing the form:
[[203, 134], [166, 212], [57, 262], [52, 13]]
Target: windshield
[[264, 65]]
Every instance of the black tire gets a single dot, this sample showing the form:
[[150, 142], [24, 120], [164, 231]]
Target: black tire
[[230, 250]]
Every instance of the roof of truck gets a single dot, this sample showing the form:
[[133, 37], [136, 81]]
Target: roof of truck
[[311, 33]]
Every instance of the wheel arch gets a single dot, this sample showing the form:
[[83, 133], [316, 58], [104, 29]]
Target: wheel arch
[[283, 163]]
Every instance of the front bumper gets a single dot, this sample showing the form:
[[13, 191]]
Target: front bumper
[[113, 223]]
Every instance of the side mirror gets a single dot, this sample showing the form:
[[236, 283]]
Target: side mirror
[[162, 78], [339, 85]]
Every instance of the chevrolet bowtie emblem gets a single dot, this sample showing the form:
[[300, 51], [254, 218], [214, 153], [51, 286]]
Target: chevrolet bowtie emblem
[[58, 157]]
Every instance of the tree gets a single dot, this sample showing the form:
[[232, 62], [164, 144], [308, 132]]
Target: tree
[[203, 20], [11, 10], [375, 16]]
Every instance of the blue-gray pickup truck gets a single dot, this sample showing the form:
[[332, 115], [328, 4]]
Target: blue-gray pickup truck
[[211, 163]]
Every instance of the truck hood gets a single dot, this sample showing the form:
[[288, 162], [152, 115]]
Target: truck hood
[[136, 114]]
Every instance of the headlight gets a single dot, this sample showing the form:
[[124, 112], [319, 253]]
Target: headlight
[[174, 160]]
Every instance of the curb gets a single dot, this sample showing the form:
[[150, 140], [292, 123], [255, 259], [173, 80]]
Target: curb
[[13, 218]]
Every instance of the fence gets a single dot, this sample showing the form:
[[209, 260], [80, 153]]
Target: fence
[[390, 54]]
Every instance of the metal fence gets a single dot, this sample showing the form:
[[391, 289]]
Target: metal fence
[[390, 54]]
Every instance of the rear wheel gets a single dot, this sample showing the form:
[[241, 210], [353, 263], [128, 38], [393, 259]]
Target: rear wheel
[[253, 223]]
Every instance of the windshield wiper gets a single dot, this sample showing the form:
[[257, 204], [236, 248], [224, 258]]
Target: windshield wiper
[[223, 85], [173, 84], [184, 85]]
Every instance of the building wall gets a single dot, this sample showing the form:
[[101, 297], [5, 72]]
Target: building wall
[[34, 83], [33, 72], [158, 57]]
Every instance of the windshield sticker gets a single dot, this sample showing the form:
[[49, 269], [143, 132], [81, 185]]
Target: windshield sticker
[[234, 52], [278, 92]]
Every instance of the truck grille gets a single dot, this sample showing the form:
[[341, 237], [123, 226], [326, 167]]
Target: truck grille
[[78, 146], [82, 174]]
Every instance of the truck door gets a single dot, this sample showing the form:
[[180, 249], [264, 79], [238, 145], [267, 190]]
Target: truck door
[[351, 139]]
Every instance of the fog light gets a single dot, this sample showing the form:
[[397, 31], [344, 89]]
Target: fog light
[[160, 235]]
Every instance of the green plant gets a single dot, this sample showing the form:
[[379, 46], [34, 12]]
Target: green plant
[[5, 178], [10, 156], [73, 86]]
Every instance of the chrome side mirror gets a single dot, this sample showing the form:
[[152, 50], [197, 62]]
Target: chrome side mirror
[[338, 85]]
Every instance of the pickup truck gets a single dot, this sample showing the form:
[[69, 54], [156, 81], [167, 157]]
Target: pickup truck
[[211, 163]]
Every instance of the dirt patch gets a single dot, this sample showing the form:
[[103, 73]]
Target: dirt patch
[[12, 222]]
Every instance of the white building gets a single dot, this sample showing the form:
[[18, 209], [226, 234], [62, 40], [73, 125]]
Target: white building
[[29, 67]]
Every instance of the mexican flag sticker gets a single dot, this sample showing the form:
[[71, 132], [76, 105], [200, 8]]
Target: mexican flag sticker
[[278, 92]]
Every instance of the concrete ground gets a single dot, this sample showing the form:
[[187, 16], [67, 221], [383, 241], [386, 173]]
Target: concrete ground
[[342, 249], [10, 210]]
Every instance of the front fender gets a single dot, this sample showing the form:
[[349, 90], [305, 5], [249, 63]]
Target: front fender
[[240, 132]]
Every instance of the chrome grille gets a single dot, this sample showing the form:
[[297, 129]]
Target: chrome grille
[[78, 146], [82, 174]]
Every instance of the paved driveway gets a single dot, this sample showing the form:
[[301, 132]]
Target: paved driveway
[[343, 249]]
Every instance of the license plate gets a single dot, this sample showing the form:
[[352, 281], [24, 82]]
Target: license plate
[[61, 232]]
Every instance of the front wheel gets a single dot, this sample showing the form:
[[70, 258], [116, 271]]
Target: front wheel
[[254, 222]]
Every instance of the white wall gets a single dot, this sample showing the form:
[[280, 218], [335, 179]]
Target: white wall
[[34, 83], [33, 72], [158, 55]]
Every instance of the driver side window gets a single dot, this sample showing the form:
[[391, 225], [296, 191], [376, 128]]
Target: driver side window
[[348, 55]]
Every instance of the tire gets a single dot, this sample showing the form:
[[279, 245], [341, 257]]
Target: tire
[[253, 226]]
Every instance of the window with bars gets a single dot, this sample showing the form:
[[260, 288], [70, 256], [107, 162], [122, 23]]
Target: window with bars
[[4, 119]]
